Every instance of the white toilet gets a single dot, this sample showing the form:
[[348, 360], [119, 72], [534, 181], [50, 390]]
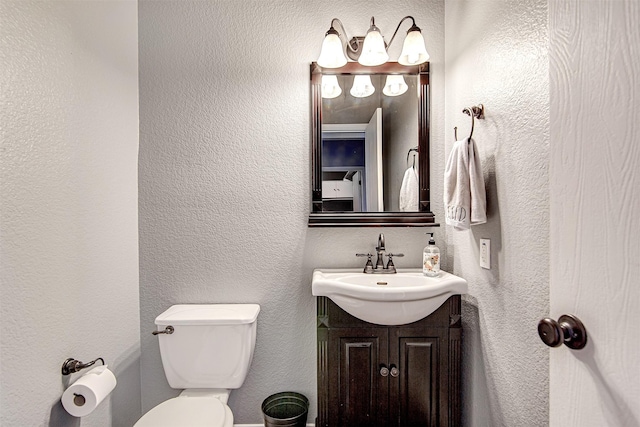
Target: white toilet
[[207, 354]]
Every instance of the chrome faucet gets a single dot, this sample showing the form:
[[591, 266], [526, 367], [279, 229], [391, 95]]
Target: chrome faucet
[[380, 251], [380, 267]]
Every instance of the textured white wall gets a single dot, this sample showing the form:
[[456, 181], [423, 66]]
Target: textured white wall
[[595, 197], [69, 206], [225, 173], [496, 54]]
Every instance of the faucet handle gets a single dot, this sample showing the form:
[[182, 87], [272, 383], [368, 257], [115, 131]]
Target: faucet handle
[[390, 265], [368, 267]]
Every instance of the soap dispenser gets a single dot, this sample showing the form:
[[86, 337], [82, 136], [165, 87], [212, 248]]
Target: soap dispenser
[[431, 259]]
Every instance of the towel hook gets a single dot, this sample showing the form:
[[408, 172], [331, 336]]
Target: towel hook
[[415, 149], [475, 112]]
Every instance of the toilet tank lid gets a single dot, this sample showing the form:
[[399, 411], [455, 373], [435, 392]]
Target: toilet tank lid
[[209, 314]]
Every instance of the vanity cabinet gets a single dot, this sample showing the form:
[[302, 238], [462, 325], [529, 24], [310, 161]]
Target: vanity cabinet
[[374, 375]]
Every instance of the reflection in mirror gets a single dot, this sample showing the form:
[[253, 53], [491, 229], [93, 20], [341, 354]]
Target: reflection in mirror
[[373, 139], [370, 130]]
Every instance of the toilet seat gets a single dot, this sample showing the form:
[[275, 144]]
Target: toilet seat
[[201, 411]]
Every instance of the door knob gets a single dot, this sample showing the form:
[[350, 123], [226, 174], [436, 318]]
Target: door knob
[[568, 330]]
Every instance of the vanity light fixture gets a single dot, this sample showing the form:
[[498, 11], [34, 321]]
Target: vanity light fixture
[[395, 85], [362, 86], [374, 51], [330, 87], [371, 50]]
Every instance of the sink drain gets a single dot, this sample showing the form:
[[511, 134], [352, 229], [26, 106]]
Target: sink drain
[[381, 283]]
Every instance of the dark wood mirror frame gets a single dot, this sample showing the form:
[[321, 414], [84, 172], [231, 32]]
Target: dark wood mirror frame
[[422, 218]]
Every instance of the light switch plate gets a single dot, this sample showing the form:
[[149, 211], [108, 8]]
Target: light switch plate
[[485, 253]]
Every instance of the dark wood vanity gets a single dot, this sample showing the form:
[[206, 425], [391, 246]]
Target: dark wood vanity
[[375, 375]]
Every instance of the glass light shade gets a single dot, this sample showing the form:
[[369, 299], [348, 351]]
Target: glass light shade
[[414, 51], [373, 50], [395, 85], [362, 86], [332, 53], [330, 87]]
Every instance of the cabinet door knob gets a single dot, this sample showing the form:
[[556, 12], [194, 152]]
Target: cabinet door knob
[[384, 371], [568, 330], [394, 371]]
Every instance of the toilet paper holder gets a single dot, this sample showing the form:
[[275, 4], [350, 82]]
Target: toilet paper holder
[[72, 365]]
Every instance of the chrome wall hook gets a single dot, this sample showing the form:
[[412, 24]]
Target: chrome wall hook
[[72, 365]]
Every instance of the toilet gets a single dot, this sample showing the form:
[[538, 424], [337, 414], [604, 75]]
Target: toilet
[[207, 355]]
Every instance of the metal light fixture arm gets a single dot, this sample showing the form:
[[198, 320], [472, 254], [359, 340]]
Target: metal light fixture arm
[[414, 27], [353, 45]]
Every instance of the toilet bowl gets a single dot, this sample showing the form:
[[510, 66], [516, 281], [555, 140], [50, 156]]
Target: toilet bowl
[[207, 353]]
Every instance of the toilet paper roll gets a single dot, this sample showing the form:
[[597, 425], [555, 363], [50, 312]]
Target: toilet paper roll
[[84, 395]]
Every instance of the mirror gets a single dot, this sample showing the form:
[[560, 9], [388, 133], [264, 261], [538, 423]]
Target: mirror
[[370, 151]]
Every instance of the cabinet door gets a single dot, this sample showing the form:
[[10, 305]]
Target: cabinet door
[[419, 354], [355, 359]]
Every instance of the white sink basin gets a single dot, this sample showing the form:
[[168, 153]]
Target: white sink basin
[[386, 299]]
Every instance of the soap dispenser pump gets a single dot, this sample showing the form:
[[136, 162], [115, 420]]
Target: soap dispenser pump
[[431, 259]]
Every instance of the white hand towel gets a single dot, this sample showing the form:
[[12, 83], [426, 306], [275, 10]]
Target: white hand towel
[[465, 200], [409, 191]]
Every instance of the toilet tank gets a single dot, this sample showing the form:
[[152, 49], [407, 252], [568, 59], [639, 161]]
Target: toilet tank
[[211, 346]]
